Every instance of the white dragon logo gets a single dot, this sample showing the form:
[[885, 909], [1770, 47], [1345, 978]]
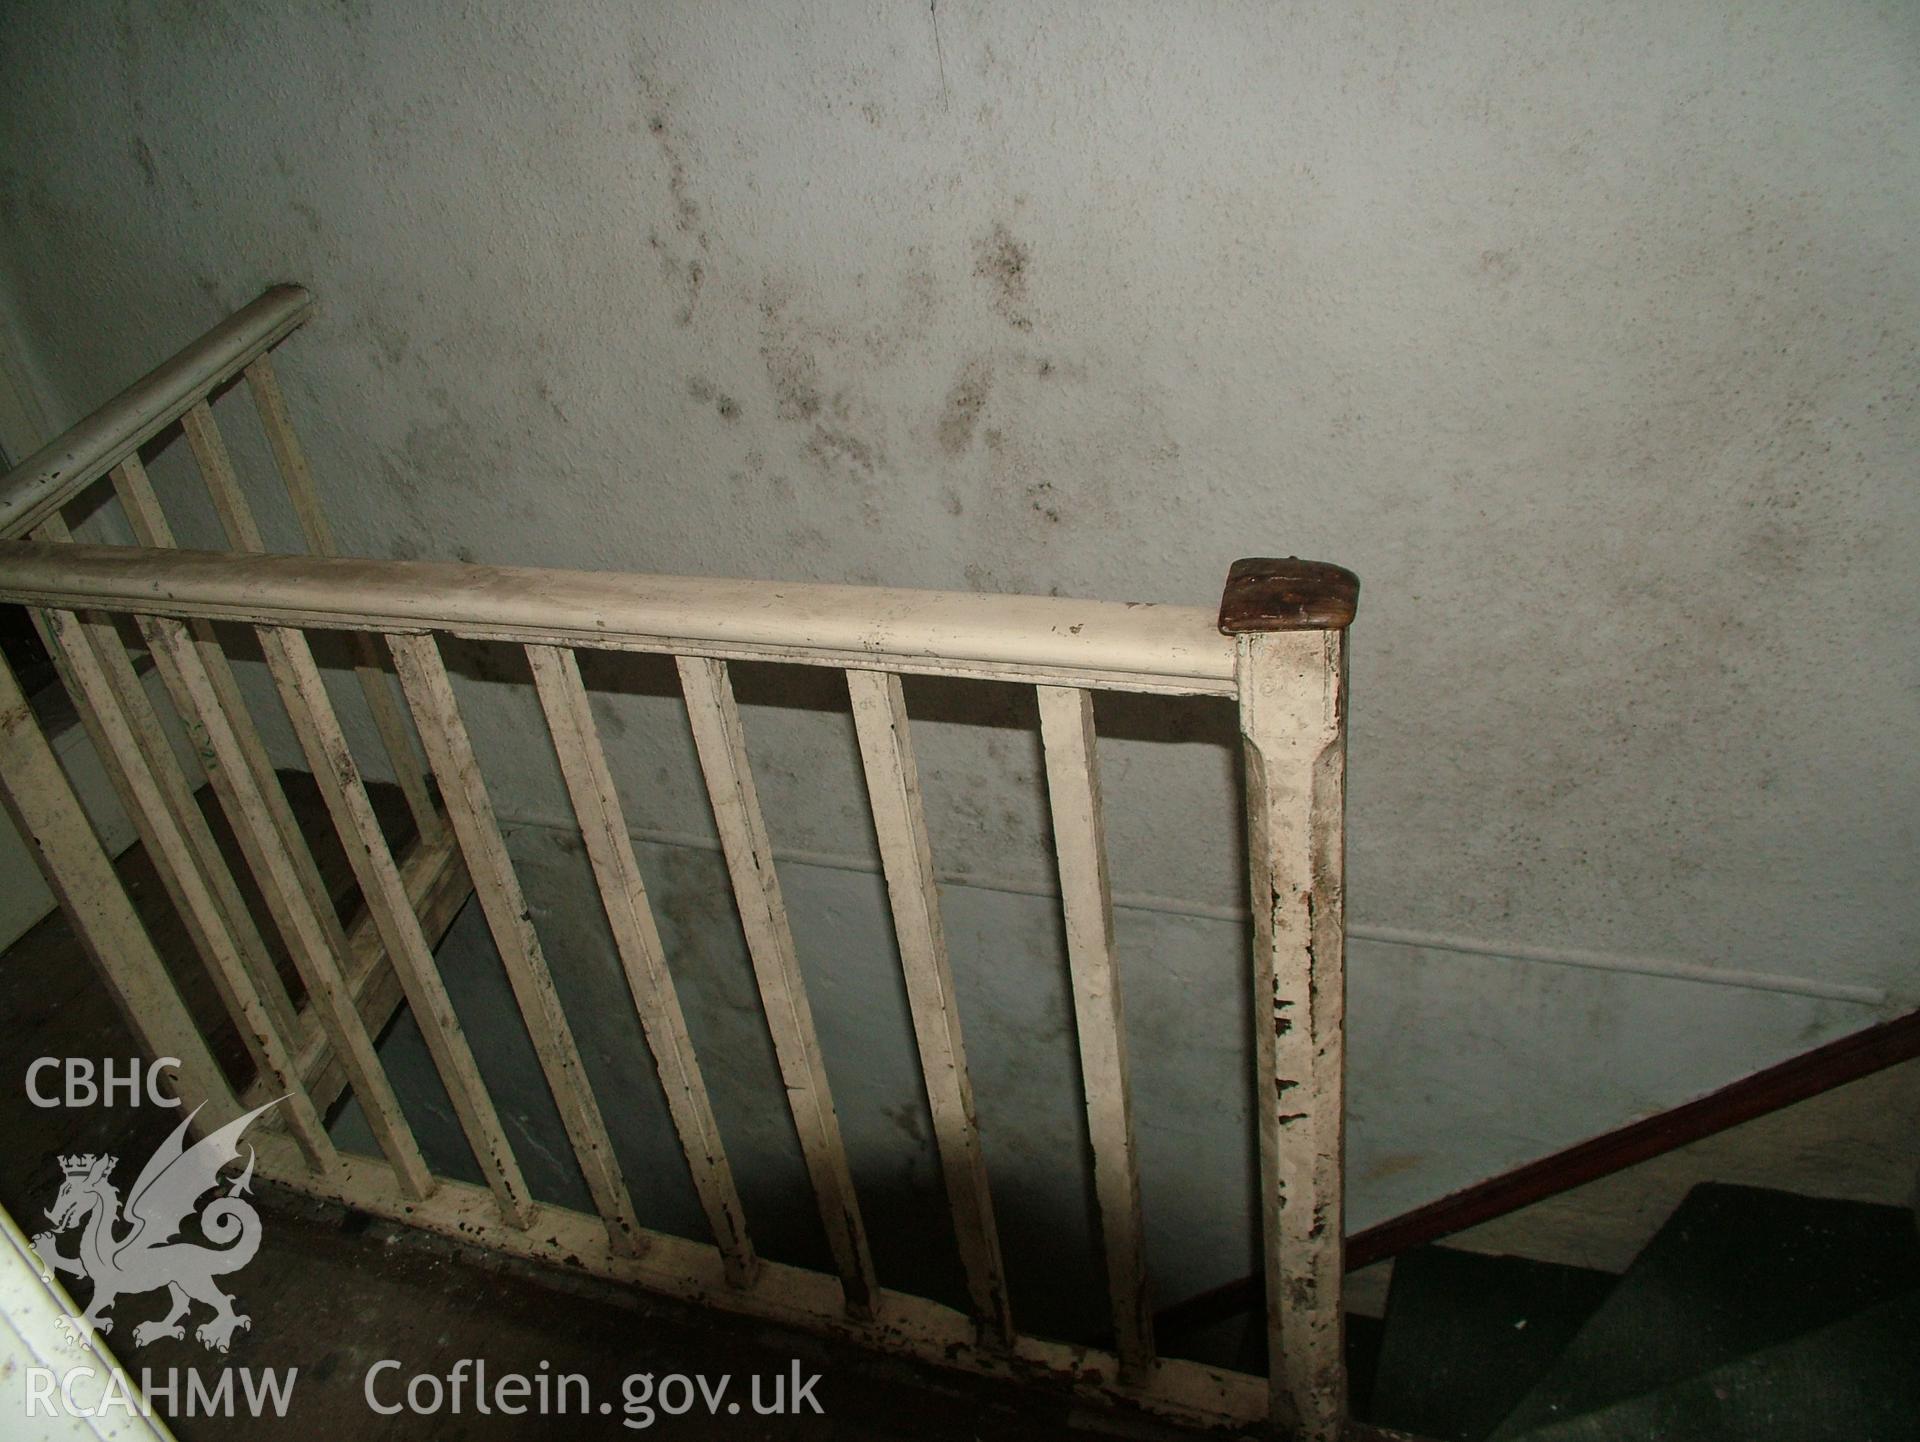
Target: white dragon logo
[[146, 1257]]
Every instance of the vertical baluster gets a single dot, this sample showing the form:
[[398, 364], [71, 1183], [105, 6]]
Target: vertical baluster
[[291, 460], [50, 819], [223, 487], [193, 664], [304, 695], [423, 677], [722, 745], [150, 528], [159, 811], [1294, 736], [1073, 791], [95, 636], [589, 780], [893, 788], [311, 930]]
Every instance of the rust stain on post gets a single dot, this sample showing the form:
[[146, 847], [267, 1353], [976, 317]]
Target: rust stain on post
[[1267, 593]]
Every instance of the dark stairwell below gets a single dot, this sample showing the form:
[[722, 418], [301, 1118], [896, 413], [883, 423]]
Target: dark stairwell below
[[1752, 1315]]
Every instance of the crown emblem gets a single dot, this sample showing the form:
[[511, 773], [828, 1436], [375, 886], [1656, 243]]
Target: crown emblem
[[79, 1166]]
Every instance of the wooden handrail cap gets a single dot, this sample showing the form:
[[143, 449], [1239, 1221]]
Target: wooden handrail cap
[[1285, 593]]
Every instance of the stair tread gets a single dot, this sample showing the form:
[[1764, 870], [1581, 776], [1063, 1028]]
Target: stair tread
[[1734, 1270], [1468, 1333], [1856, 1380], [1364, 1338]]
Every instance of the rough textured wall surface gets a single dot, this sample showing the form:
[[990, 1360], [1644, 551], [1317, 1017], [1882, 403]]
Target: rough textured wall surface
[[1587, 337]]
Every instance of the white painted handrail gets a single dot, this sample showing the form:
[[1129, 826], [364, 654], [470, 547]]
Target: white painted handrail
[[1094, 643], [52, 475]]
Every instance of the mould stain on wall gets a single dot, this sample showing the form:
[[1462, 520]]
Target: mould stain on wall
[[1001, 262], [966, 399]]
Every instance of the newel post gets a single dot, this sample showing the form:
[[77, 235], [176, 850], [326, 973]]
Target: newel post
[[1290, 618]]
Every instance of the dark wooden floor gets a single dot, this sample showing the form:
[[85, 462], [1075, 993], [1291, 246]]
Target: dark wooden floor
[[331, 1293]]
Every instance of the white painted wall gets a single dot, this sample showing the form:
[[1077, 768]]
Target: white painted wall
[[1586, 336]]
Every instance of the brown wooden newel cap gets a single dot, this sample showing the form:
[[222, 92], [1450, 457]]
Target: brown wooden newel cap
[[1265, 593]]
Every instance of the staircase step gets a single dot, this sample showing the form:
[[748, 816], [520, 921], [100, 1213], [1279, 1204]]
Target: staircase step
[[1467, 1334], [1364, 1338], [1854, 1381], [1734, 1270]]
